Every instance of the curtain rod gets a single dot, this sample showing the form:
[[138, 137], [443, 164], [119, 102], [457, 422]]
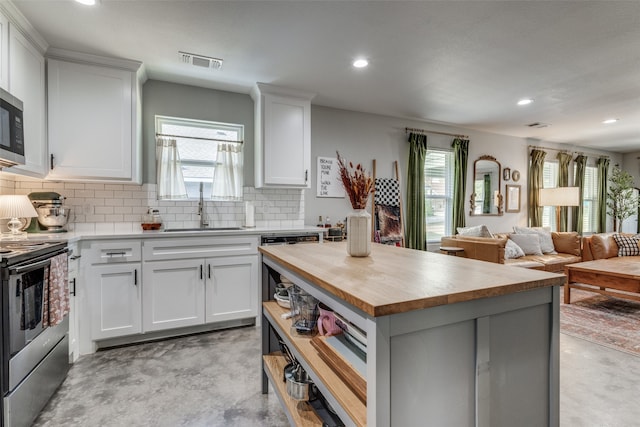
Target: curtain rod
[[564, 150], [199, 137], [407, 130]]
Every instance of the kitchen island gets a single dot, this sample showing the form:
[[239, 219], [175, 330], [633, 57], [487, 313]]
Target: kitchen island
[[450, 341]]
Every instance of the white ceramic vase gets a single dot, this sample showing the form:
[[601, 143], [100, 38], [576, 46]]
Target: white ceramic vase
[[359, 233]]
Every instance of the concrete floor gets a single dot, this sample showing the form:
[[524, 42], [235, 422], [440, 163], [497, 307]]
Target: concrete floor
[[214, 380]]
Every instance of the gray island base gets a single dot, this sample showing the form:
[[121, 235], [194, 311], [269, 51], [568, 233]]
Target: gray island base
[[450, 341]]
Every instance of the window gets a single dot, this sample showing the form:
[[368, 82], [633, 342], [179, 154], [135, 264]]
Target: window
[[199, 144], [590, 203], [549, 180], [438, 190]]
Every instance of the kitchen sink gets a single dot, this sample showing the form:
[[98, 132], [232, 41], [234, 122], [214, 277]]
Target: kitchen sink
[[168, 230]]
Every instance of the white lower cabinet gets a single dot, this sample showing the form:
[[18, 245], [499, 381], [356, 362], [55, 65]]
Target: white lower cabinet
[[197, 291], [231, 288], [173, 294], [115, 300], [143, 286]]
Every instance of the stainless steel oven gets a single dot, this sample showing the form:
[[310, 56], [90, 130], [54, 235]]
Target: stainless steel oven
[[35, 350]]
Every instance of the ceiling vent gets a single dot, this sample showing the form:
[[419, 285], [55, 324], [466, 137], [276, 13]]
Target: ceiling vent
[[538, 125], [200, 61]]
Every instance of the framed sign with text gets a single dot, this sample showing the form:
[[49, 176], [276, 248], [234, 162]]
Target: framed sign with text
[[328, 182]]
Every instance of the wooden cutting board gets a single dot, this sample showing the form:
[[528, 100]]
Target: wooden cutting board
[[341, 366]]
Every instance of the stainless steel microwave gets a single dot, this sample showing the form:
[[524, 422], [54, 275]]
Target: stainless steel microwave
[[11, 130]]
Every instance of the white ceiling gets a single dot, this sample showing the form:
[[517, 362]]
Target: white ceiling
[[463, 63]]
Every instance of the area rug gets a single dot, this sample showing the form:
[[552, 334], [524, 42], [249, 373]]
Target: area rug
[[604, 320]]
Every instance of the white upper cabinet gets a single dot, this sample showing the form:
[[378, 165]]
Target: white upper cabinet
[[27, 83], [93, 118], [4, 52], [283, 137]]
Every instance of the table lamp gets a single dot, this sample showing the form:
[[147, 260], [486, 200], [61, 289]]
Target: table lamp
[[559, 197], [15, 207]]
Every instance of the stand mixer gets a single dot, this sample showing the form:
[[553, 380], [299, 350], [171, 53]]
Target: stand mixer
[[52, 215]]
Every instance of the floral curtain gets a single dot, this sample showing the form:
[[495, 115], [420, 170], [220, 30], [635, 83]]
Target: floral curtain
[[416, 215], [603, 177], [227, 175], [564, 159], [460, 160], [578, 181], [170, 181], [536, 165]]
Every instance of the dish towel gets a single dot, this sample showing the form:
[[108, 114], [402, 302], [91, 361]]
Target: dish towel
[[57, 301]]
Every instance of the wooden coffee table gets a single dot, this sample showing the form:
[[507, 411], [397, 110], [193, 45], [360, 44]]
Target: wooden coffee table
[[606, 276]]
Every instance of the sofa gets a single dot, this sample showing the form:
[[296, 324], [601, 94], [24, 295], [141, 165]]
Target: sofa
[[492, 249], [604, 245]]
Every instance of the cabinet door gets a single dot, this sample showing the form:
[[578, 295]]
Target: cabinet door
[[115, 300], [232, 288], [4, 52], [26, 82], [287, 141], [91, 110], [74, 342], [173, 294]]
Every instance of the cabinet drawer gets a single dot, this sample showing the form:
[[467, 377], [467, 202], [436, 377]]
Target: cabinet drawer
[[199, 247], [114, 252]]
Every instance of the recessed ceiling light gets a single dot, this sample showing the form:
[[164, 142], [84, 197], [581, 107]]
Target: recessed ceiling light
[[609, 121], [525, 101], [87, 2], [360, 63]]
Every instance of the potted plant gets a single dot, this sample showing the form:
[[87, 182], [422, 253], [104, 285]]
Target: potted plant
[[621, 203]]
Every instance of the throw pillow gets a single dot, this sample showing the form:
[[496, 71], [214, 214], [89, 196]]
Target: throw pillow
[[566, 242], [476, 231], [603, 246], [546, 241], [512, 250], [627, 245], [529, 243]]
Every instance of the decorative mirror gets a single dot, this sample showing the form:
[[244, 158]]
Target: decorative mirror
[[486, 198]]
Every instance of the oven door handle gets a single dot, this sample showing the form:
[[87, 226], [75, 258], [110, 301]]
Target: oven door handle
[[29, 267]]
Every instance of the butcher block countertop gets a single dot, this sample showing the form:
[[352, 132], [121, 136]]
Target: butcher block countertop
[[395, 280]]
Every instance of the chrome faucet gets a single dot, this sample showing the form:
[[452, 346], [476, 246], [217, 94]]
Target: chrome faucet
[[203, 222]]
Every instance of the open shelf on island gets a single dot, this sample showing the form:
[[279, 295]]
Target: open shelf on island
[[355, 408], [299, 413]]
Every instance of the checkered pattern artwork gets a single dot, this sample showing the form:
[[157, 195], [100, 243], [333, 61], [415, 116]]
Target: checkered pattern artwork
[[627, 245], [387, 192]]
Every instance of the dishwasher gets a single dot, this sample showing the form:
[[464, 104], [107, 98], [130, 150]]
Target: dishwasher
[[284, 239], [289, 239]]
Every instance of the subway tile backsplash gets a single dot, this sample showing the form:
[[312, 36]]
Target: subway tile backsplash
[[119, 207]]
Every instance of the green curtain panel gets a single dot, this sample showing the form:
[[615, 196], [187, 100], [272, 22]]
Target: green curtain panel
[[460, 161], [486, 194], [564, 159], [603, 177], [536, 165], [578, 181], [416, 236]]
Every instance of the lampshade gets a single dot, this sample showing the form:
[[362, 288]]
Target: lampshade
[[559, 196], [16, 206]]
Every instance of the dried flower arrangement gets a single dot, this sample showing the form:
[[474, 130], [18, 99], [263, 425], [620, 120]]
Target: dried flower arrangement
[[356, 182]]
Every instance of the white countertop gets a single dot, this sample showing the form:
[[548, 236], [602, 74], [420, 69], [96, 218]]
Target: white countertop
[[74, 236]]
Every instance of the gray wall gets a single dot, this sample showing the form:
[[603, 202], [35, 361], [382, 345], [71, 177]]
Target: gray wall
[[359, 137], [362, 137], [170, 99]]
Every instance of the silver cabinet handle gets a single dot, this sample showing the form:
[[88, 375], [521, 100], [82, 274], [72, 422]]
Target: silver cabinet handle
[[112, 254]]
